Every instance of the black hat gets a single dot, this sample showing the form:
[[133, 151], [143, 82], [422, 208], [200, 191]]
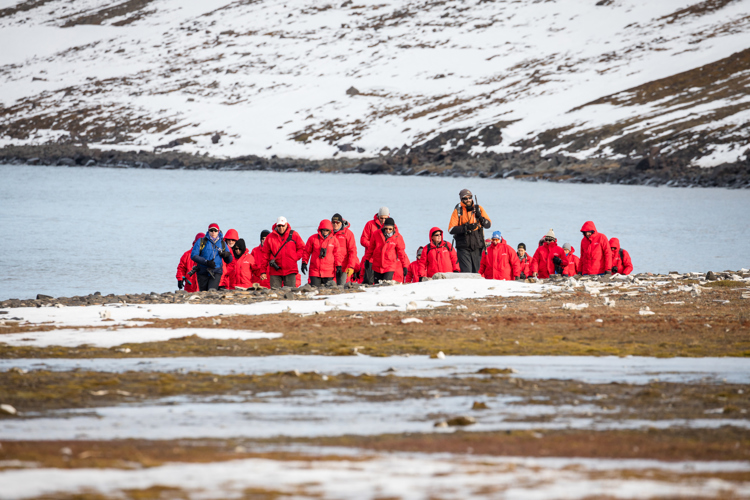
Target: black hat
[[389, 222], [522, 245], [240, 245], [264, 233], [337, 218]]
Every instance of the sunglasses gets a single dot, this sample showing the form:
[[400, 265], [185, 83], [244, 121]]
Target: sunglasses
[[547, 238], [466, 198], [213, 230]]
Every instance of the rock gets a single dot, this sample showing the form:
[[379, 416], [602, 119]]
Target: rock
[[406, 321], [461, 421], [68, 162], [710, 276], [441, 424], [352, 91], [497, 371], [478, 405], [574, 307], [646, 311], [8, 409], [39, 296], [215, 138], [346, 148]]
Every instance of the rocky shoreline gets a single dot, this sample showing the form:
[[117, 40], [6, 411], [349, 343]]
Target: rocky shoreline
[[429, 159], [729, 279]]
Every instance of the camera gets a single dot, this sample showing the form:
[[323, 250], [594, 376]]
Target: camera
[[274, 265], [323, 252]]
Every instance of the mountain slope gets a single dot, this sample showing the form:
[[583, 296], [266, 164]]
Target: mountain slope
[[619, 80]]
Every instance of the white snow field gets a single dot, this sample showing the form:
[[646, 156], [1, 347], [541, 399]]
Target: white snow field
[[400, 297], [407, 476], [271, 77]]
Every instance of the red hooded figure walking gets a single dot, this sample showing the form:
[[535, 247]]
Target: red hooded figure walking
[[385, 253], [185, 267], [438, 257], [323, 254], [621, 262], [347, 249], [596, 256]]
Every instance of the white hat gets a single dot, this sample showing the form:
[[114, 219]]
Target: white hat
[[550, 233], [281, 221], [384, 212]]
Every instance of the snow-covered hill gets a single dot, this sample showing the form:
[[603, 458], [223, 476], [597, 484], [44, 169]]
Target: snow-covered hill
[[310, 79]]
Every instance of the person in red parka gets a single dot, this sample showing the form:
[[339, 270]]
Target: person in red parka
[[385, 253], [323, 253], [281, 251], [574, 263], [596, 256], [371, 228], [347, 248], [524, 261], [548, 258], [501, 261], [621, 262], [227, 276], [438, 256], [186, 265], [414, 272], [243, 269], [257, 254]]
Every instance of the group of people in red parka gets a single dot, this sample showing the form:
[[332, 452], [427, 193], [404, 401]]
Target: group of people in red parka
[[329, 257]]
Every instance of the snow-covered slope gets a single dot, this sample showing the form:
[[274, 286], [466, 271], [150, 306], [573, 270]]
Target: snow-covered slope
[[306, 78]]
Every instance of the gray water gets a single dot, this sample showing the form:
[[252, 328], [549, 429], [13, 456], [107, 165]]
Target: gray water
[[73, 231]]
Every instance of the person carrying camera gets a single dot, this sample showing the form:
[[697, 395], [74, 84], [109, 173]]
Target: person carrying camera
[[467, 225], [549, 258], [281, 251], [324, 255], [210, 253], [185, 268]]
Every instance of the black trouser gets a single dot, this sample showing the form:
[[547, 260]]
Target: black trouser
[[382, 276], [208, 282], [318, 281], [469, 260], [369, 276], [279, 281]]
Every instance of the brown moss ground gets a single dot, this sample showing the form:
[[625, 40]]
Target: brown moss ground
[[492, 326], [722, 444], [41, 391]]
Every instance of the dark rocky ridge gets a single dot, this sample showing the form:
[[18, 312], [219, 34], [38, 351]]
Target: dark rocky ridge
[[429, 159]]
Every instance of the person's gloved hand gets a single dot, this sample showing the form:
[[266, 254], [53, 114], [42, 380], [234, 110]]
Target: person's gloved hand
[[224, 254], [304, 268], [181, 283], [523, 276], [211, 264], [614, 269], [349, 271], [471, 226], [405, 271], [355, 276], [423, 278], [557, 260], [338, 270]]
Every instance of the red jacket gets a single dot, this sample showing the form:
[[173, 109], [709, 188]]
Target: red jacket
[[386, 255], [438, 259], [525, 264], [624, 264], [347, 247], [574, 264], [596, 257], [286, 254], [258, 269], [413, 273], [227, 271], [500, 262], [183, 268], [372, 227], [243, 271], [325, 267], [543, 263], [398, 274]]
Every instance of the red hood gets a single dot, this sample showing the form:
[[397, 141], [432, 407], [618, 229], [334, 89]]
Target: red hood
[[614, 242], [435, 230], [325, 224], [232, 235], [198, 236], [588, 226]]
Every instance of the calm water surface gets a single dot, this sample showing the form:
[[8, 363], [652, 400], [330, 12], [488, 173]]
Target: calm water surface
[[73, 231]]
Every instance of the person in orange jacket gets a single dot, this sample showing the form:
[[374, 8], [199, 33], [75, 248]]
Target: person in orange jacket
[[438, 256], [467, 225], [524, 261], [385, 252], [500, 262], [282, 250], [621, 262], [549, 258], [414, 272], [243, 269], [227, 277], [596, 254], [323, 254], [574, 263], [347, 248], [186, 265]]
